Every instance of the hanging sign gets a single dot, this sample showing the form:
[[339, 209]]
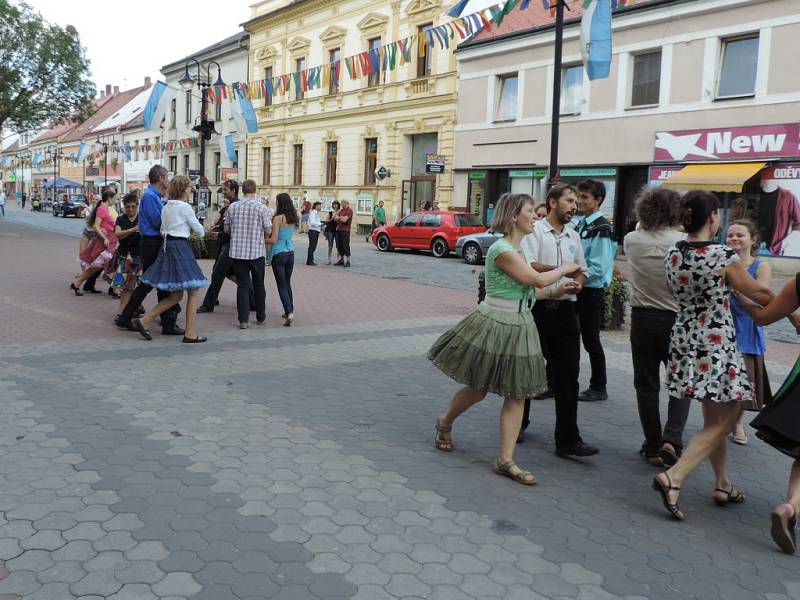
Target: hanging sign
[[434, 163]]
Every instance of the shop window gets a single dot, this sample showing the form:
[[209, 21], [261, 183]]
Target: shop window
[[507, 98], [173, 165], [572, 90], [268, 97], [266, 166], [185, 164], [299, 67], [297, 177], [737, 76], [370, 160], [333, 57], [646, 83], [189, 107], [425, 63], [374, 78], [331, 154]]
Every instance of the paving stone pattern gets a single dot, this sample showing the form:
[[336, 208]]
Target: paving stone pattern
[[300, 465]]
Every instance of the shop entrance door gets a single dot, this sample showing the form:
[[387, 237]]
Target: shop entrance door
[[423, 190]]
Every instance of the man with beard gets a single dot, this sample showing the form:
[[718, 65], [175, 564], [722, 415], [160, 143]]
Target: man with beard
[[550, 245]]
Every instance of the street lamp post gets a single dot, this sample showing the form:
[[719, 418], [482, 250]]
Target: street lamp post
[[206, 127], [56, 153], [556, 114]]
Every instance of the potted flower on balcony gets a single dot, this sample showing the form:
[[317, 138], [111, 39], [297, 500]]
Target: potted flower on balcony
[[616, 299]]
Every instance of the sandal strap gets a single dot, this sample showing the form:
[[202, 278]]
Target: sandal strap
[[442, 428]]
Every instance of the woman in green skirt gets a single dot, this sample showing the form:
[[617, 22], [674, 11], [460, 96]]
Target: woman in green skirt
[[496, 348]]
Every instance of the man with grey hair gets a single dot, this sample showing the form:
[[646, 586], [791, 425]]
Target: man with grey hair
[[150, 242]]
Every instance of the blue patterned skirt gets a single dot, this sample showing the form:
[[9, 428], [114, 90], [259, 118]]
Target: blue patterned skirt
[[176, 268]]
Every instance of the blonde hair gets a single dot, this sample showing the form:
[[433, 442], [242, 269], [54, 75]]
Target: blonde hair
[[177, 187], [508, 207]]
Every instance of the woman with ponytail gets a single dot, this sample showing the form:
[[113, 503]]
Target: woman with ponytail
[[704, 361]]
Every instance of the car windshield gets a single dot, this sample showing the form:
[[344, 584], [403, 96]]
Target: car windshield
[[468, 221]]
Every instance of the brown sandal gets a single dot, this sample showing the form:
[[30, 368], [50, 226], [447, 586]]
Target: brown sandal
[[664, 490], [524, 477], [442, 439], [722, 496]]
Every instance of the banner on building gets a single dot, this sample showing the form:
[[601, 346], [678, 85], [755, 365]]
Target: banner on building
[[728, 143], [777, 212]]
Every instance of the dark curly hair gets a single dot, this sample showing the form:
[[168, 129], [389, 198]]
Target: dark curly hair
[[658, 207]]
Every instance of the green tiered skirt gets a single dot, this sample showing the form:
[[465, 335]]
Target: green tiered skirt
[[496, 348]]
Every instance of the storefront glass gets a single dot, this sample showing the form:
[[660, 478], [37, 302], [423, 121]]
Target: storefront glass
[[606, 175]]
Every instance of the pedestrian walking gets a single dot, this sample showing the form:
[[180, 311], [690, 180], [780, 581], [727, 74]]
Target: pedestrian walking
[[378, 218], [305, 211], [127, 263], [778, 424], [150, 244], [653, 311], [3, 203], [100, 250], [551, 244], [247, 223], [284, 224], [744, 239], [23, 199], [330, 228], [496, 348], [344, 222], [704, 362], [314, 229], [223, 266], [175, 269], [599, 250]]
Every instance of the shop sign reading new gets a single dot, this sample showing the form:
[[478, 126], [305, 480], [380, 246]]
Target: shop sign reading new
[[731, 143]]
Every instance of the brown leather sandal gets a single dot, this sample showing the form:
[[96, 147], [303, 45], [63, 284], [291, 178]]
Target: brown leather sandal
[[723, 496], [442, 439], [524, 477]]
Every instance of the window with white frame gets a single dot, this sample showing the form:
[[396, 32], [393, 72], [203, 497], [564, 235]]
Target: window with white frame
[[572, 90], [507, 97], [737, 74], [646, 80]]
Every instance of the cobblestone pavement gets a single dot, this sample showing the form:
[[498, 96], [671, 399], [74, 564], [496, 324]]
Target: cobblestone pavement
[[297, 463]]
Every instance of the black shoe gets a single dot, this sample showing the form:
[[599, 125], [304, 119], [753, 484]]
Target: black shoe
[[347, 265], [592, 395], [577, 449], [77, 291], [198, 340], [545, 395], [92, 291], [174, 331], [311, 264], [122, 323], [145, 333], [204, 309], [339, 264]]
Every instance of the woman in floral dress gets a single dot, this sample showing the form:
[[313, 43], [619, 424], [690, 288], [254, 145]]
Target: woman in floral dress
[[705, 363]]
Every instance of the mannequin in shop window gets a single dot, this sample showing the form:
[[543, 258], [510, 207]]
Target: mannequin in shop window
[[785, 209]]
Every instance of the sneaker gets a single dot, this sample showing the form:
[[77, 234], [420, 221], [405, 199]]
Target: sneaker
[[592, 395], [244, 325], [579, 449]]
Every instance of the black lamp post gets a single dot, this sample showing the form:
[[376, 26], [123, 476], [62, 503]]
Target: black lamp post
[[206, 126], [105, 162], [56, 153], [556, 116]]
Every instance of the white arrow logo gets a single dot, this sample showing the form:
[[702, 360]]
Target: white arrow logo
[[680, 146]]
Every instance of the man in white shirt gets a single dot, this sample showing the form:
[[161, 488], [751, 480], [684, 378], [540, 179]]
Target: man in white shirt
[[551, 244]]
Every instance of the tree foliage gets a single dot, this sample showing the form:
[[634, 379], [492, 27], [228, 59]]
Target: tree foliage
[[44, 71]]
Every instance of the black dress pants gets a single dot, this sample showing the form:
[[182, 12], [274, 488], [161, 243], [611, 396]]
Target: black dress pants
[[313, 238], [223, 267], [651, 330], [343, 244], [149, 247], [250, 272], [590, 313], [559, 335]]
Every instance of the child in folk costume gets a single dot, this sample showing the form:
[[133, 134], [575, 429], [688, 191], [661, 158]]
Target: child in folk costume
[[496, 348]]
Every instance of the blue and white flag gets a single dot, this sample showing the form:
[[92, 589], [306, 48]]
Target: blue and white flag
[[81, 152], [227, 149], [468, 7], [157, 105], [244, 115], [126, 150], [36, 159], [595, 39]]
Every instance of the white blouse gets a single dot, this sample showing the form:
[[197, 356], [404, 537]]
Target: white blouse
[[178, 220], [314, 222]]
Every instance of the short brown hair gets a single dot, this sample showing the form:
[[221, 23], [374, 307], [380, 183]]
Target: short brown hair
[[248, 186], [658, 207], [177, 187], [508, 207], [557, 192], [755, 235]]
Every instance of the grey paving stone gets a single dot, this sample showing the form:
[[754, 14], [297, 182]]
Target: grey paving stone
[[50, 591], [134, 592], [46, 539], [407, 585], [30, 560], [62, 572], [177, 584], [20, 583], [98, 583], [140, 571]]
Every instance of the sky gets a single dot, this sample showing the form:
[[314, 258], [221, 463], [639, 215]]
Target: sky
[[127, 41]]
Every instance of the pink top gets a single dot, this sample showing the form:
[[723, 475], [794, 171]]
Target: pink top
[[106, 220]]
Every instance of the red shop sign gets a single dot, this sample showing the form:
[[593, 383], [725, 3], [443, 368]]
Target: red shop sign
[[659, 175], [731, 143]]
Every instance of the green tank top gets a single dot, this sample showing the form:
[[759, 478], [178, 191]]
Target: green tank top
[[498, 284]]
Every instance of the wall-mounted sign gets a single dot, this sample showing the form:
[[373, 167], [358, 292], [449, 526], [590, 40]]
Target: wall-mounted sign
[[434, 163], [382, 173], [729, 143], [658, 175], [528, 173], [588, 172], [477, 175]]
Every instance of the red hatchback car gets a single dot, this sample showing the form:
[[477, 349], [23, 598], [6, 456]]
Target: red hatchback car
[[434, 230]]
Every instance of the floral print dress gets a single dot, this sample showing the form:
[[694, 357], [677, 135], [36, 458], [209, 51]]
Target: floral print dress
[[704, 360]]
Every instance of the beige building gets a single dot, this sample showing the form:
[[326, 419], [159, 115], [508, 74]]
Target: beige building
[[328, 143], [706, 81]]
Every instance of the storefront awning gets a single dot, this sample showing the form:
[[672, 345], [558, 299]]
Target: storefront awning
[[720, 177]]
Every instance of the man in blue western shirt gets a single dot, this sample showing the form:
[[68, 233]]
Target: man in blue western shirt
[[150, 242], [599, 249]]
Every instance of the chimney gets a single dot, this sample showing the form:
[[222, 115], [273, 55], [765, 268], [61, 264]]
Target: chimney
[[102, 94], [108, 89], [116, 90], [147, 82]]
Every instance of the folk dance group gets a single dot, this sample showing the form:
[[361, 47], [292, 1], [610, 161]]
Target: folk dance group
[[686, 290]]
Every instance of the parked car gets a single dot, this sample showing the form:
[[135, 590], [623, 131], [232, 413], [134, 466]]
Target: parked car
[[434, 230], [473, 248], [70, 205]]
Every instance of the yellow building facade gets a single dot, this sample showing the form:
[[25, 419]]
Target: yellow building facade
[[327, 143]]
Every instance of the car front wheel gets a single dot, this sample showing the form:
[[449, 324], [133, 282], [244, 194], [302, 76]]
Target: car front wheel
[[384, 243], [472, 254], [439, 248]]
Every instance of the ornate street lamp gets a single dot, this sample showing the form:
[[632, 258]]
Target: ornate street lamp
[[206, 126]]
